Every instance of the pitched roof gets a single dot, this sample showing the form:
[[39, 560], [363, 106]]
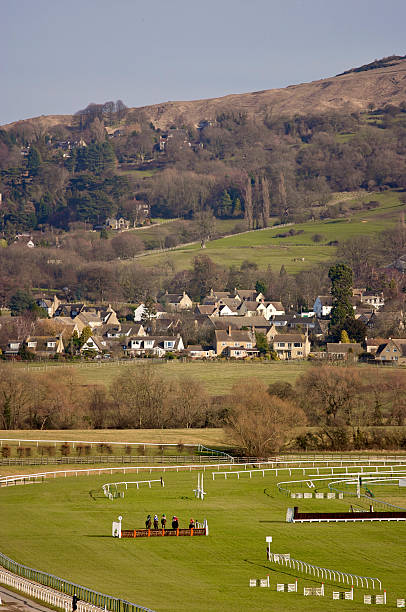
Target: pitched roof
[[206, 309], [239, 322], [276, 305], [289, 338], [235, 335], [251, 305], [344, 347], [231, 303]]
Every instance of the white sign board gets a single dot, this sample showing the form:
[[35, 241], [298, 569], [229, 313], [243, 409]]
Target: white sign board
[[116, 529]]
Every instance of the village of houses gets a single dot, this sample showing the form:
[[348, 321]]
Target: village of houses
[[235, 319]]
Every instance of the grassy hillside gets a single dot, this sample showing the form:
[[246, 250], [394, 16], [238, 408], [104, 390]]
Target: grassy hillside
[[296, 252], [63, 526]]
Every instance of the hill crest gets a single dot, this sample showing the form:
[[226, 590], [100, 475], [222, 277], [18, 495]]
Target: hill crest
[[352, 91]]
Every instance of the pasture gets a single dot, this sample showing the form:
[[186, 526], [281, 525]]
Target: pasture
[[216, 377], [63, 526], [298, 252]]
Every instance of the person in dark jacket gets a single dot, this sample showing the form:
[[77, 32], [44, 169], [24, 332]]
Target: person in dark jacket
[[163, 521], [175, 522], [148, 522]]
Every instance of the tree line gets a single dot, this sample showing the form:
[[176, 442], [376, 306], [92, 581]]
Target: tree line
[[327, 408]]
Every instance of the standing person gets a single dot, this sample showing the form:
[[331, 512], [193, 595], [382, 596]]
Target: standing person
[[148, 522], [156, 521], [74, 602], [191, 523], [163, 521]]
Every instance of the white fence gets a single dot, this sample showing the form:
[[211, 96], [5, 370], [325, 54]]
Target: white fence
[[322, 572], [45, 594], [107, 488]]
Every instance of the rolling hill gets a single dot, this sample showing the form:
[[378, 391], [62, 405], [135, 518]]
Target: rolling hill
[[355, 90]]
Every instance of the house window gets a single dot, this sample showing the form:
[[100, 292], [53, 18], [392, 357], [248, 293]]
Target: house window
[[297, 344], [51, 344], [281, 344], [299, 353]]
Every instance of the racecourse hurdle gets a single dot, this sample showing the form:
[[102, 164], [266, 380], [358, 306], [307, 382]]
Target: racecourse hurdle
[[375, 599], [344, 594], [156, 533]]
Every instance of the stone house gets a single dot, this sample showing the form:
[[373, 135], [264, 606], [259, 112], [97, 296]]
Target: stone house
[[235, 343], [45, 346], [177, 302], [291, 346], [392, 351]]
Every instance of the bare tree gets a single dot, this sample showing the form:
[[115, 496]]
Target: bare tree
[[260, 422]]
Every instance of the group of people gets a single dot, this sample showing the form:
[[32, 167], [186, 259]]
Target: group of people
[[175, 522]]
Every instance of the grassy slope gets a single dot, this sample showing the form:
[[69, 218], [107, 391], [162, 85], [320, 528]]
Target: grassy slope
[[265, 249], [58, 527]]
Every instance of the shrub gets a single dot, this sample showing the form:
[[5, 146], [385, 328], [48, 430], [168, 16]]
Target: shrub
[[6, 452], [318, 237]]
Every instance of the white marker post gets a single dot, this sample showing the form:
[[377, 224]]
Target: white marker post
[[199, 491], [268, 540], [116, 528]]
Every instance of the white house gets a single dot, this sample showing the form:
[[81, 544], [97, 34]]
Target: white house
[[273, 309], [323, 305], [139, 311]]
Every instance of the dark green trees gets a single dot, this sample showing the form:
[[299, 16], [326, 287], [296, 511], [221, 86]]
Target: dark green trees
[[341, 290]]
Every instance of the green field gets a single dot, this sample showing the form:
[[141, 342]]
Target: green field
[[63, 526], [297, 252], [217, 377]]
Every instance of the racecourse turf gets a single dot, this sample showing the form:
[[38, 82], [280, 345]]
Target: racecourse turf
[[63, 526]]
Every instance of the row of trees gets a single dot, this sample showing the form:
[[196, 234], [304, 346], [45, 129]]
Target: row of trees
[[329, 407]]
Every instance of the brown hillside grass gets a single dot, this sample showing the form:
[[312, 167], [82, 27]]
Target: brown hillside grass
[[348, 93]]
